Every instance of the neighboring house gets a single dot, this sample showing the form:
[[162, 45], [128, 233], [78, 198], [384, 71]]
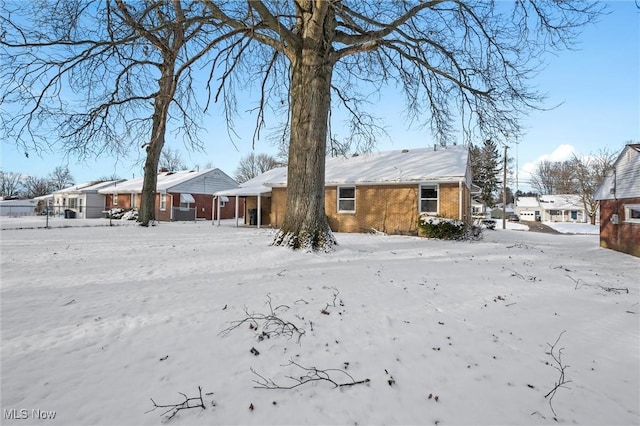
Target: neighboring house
[[551, 208], [385, 191], [82, 201], [478, 209], [13, 208], [562, 208], [528, 208], [184, 195], [619, 196]]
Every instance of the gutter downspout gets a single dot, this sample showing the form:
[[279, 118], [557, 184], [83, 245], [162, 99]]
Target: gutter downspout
[[237, 203], [218, 209], [259, 210], [460, 199]]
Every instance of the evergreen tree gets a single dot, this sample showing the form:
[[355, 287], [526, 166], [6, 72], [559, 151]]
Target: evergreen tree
[[485, 169]]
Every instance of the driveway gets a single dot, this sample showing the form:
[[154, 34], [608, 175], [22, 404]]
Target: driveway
[[539, 227]]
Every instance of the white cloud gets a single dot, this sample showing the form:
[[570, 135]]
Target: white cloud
[[561, 153]]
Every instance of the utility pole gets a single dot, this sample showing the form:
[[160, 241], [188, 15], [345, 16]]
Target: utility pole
[[504, 189]]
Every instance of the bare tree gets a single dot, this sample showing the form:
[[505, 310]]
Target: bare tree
[[555, 177], [106, 178], [252, 165], [456, 62], [37, 187], [171, 160], [103, 76], [542, 179], [10, 184], [60, 178], [590, 171], [459, 64]]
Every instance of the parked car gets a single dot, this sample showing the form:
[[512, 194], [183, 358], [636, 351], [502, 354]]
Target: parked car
[[489, 223], [513, 218]]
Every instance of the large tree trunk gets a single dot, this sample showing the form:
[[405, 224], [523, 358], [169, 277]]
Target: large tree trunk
[[305, 224], [147, 212]]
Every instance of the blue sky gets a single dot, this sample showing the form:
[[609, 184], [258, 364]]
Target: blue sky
[[597, 86]]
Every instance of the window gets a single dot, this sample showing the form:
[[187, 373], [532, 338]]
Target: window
[[115, 199], [73, 203], [80, 204], [133, 201], [632, 213], [428, 198], [163, 202], [347, 199]]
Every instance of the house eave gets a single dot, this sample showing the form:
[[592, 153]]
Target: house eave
[[386, 182]]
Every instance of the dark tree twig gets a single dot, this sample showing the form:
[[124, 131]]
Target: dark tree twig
[[268, 325], [557, 358], [522, 277], [311, 374], [580, 283], [194, 402]]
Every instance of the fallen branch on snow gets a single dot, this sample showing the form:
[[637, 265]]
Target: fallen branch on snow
[[268, 325], [556, 355], [580, 283], [311, 374], [194, 402]]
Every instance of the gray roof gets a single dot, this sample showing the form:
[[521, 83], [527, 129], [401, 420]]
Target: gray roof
[[624, 182], [207, 181]]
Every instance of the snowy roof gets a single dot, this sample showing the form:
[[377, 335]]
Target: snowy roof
[[87, 187], [168, 181], [527, 202], [17, 202], [625, 181], [255, 186], [561, 202], [395, 167]]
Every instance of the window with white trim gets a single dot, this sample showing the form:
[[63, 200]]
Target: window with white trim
[[632, 213], [163, 202], [346, 199], [429, 198], [133, 201], [115, 199]]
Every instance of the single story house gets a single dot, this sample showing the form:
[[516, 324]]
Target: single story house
[[384, 191], [619, 196], [562, 208], [14, 208], [82, 201], [183, 195], [528, 208]]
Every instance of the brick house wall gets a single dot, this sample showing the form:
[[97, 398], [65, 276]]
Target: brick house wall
[[624, 236], [123, 201], [203, 205], [265, 205], [228, 211], [165, 215], [392, 209]]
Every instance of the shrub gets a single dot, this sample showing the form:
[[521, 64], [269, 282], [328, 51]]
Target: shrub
[[442, 228], [123, 214]]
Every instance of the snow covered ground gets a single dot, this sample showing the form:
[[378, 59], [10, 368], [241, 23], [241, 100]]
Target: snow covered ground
[[96, 321]]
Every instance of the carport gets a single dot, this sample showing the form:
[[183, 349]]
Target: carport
[[253, 191]]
